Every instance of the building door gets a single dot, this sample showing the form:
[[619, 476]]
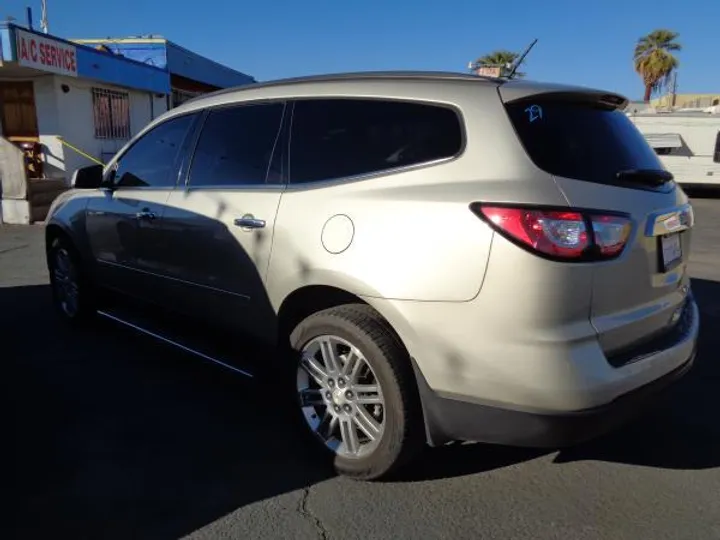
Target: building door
[[17, 111]]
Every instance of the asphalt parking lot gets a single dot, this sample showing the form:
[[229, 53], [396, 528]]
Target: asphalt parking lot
[[113, 436]]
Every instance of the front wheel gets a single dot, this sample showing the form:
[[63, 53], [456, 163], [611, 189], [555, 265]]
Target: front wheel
[[71, 290], [356, 391]]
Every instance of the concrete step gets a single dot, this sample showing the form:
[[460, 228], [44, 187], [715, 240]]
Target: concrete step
[[46, 197], [41, 193], [43, 185], [39, 212]]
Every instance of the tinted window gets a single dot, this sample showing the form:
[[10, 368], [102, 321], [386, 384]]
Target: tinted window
[[152, 160], [716, 157], [580, 140], [343, 137], [236, 146]]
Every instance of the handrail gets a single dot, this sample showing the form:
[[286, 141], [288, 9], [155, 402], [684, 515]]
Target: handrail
[[76, 149]]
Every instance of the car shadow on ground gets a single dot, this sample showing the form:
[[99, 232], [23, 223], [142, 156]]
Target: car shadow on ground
[[114, 436], [680, 432]]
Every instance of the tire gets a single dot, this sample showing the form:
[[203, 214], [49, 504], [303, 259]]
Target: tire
[[67, 273], [401, 433]]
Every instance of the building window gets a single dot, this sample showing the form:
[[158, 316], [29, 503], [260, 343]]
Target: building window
[[181, 96], [111, 111]]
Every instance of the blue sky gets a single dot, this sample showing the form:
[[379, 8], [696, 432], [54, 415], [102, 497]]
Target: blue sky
[[588, 43]]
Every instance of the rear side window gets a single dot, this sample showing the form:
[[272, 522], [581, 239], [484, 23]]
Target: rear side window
[[580, 140], [337, 138], [716, 156], [236, 146]]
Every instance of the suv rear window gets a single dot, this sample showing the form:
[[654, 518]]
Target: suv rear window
[[339, 138], [580, 140]]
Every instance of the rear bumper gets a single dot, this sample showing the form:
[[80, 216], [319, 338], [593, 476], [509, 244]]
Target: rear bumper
[[449, 419]]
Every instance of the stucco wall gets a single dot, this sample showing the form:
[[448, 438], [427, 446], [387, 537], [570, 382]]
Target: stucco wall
[[46, 105], [70, 116]]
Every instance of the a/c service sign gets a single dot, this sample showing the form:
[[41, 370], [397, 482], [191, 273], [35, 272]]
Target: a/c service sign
[[46, 54]]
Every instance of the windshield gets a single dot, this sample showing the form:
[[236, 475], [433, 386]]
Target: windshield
[[580, 140]]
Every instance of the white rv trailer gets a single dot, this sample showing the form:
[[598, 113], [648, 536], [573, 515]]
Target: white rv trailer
[[688, 143]]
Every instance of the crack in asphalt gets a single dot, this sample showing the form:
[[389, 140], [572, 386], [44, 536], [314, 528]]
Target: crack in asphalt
[[14, 248], [305, 512]]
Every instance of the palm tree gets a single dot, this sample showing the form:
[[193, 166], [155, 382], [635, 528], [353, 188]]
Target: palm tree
[[500, 58], [654, 60]]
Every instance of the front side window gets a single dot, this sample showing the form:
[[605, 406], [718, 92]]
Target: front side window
[[236, 146], [337, 138], [152, 160]]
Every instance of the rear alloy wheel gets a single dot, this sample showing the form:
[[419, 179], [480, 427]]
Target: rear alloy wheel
[[70, 290], [356, 391], [340, 396]]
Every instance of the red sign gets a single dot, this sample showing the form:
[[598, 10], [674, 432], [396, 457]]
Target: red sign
[[46, 54]]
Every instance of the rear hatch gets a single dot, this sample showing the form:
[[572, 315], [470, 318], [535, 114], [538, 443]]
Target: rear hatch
[[600, 161]]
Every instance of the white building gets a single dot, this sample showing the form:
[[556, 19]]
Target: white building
[[55, 96]]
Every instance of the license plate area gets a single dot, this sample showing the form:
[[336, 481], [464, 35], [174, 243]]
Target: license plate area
[[670, 248]]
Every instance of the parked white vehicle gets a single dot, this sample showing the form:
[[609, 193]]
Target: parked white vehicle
[[688, 144]]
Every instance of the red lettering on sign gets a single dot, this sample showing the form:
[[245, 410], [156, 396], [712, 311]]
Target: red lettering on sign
[[37, 51]]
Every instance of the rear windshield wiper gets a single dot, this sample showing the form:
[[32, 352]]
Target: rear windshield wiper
[[649, 177]]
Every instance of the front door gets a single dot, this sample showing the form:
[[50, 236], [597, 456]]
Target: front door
[[221, 222], [123, 220], [18, 115]]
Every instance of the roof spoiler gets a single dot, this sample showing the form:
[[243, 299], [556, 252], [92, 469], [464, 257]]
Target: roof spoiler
[[517, 90]]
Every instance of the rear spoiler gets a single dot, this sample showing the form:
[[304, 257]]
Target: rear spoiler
[[517, 90]]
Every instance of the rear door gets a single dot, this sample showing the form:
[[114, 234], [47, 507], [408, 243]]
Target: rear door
[[219, 224], [600, 161]]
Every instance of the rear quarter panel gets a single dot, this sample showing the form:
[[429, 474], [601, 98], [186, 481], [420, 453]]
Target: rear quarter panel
[[413, 234]]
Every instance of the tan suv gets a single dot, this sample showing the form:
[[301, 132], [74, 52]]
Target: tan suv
[[432, 256]]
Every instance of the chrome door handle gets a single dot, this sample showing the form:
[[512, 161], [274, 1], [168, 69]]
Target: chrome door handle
[[145, 214], [249, 222]]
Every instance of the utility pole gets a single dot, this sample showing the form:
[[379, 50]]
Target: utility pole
[[43, 17]]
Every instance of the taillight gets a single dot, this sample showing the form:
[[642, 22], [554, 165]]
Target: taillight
[[560, 234]]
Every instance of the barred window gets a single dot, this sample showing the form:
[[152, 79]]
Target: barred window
[[111, 111]]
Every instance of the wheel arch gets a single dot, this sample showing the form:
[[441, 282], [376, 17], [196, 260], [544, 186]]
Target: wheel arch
[[309, 299], [54, 230]]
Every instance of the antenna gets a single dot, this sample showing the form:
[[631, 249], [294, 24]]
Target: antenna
[[521, 58], [43, 17]]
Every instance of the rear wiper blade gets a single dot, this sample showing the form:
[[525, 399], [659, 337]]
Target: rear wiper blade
[[651, 177]]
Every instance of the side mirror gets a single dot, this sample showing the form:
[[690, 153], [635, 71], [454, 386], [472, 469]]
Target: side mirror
[[90, 177]]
